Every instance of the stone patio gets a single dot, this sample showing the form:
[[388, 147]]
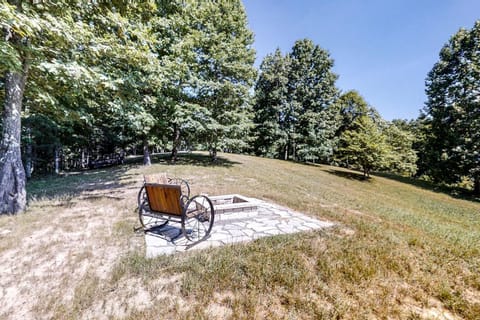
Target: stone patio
[[239, 226]]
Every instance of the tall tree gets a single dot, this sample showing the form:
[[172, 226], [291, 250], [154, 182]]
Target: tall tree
[[205, 51], [134, 100], [60, 47], [311, 91], [224, 74], [294, 99], [452, 111], [176, 27], [15, 63], [103, 89], [270, 109]]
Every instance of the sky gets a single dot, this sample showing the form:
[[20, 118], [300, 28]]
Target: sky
[[384, 49]]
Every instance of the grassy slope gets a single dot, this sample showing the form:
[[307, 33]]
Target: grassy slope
[[399, 251]]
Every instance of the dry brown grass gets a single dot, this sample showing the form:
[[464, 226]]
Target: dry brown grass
[[399, 251], [63, 245]]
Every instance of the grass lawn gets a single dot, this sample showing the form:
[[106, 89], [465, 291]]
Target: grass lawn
[[400, 250]]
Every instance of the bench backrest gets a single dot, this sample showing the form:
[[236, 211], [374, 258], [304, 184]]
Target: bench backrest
[[164, 198]]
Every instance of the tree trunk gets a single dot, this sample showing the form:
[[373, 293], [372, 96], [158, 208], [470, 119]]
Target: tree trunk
[[28, 156], [213, 153], [82, 158], [146, 154], [175, 142], [13, 196], [294, 152], [366, 172], [57, 159]]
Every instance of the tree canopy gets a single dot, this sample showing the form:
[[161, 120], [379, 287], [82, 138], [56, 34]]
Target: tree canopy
[[293, 96], [452, 111], [84, 79], [97, 77]]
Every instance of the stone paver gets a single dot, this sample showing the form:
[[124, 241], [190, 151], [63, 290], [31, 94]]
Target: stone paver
[[268, 220]]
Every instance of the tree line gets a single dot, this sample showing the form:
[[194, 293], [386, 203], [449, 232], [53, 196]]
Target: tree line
[[83, 79], [300, 114]]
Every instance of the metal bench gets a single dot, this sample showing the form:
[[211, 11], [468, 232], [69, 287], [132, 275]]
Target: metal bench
[[169, 201]]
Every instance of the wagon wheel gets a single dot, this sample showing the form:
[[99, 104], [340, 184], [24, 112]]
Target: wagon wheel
[[149, 220], [142, 196], [197, 218], [183, 185]]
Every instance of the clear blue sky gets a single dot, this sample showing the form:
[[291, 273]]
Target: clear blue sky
[[381, 48]]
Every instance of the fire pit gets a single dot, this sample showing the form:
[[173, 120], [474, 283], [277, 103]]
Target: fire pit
[[226, 205]]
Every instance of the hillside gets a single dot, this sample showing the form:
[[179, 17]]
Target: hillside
[[399, 250]]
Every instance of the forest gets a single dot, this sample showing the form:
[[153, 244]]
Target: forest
[[87, 83]]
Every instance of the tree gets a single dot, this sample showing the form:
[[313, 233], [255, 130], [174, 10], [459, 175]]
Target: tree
[[15, 64], [294, 96], [135, 101], [271, 108], [311, 91], [361, 140], [452, 111], [64, 51], [421, 130], [365, 147], [348, 108], [361, 126], [401, 157], [104, 90], [219, 66]]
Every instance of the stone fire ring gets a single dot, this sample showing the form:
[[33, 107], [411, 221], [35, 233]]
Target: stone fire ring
[[237, 219]]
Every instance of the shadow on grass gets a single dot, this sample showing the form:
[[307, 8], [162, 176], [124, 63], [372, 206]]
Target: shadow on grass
[[456, 192], [71, 184], [193, 159], [108, 180], [351, 175]]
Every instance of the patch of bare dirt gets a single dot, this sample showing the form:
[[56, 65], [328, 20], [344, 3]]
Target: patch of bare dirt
[[54, 251], [433, 310]]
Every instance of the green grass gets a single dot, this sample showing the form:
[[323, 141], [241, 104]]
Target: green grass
[[399, 250]]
